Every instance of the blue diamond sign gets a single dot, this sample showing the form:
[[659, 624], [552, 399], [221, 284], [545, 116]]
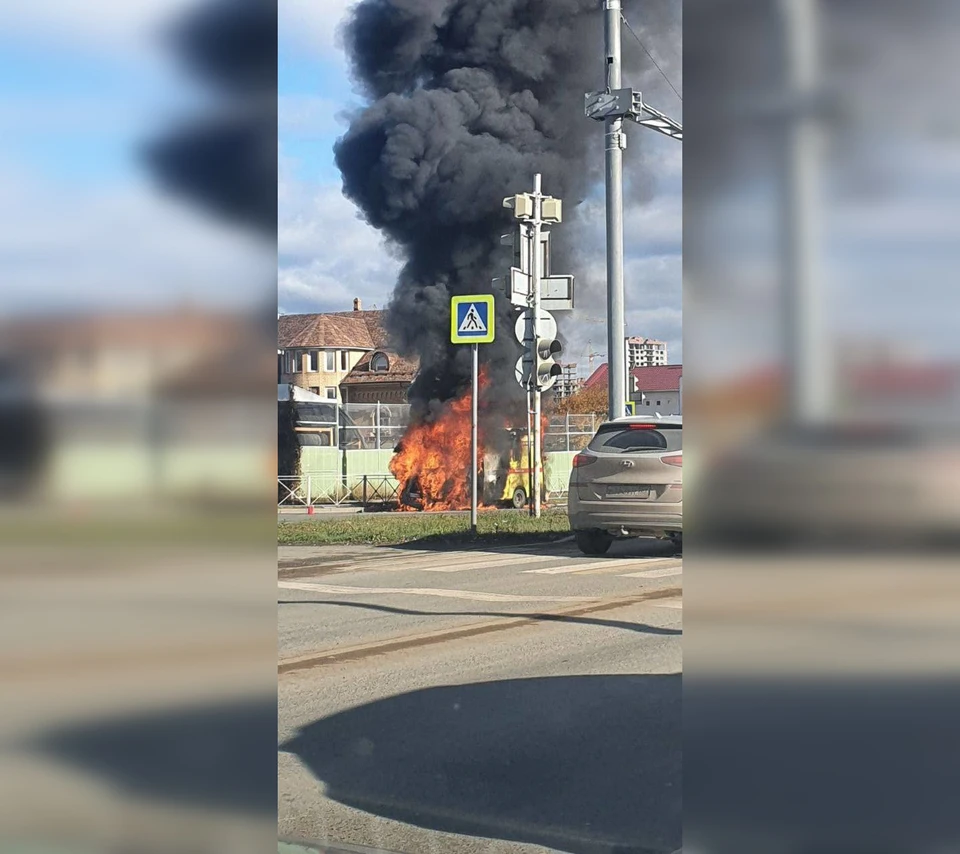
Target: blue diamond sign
[[472, 319]]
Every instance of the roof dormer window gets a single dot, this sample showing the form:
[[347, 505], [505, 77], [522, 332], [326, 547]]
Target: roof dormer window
[[379, 364]]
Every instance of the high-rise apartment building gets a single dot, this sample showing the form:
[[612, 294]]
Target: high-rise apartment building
[[646, 352]]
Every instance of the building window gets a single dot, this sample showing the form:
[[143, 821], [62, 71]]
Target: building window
[[294, 363], [330, 363], [313, 363], [658, 403], [331, 392], [647, 402], [315, 389], [379, 364], [344, 360]]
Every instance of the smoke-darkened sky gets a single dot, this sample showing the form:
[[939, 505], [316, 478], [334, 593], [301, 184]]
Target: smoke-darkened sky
[[454, 105]]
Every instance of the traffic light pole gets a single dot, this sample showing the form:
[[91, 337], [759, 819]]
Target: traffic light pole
[[537, 224], [614, 139], [537, 369]]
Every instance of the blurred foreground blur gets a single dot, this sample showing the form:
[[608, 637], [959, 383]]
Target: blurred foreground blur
[[137, 265], [822, 599]]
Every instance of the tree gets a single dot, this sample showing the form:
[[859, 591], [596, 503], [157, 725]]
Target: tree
[[588, 401]]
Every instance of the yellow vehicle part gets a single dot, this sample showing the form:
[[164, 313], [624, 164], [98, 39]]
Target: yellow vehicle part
[[516, 479]]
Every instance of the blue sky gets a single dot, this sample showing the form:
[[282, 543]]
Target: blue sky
[[83, 225]]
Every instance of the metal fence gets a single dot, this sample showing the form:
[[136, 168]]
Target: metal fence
[[569, 432], [346, 449], [380, 426], [352, 426], [310, 490]]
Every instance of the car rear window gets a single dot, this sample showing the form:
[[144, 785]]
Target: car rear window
[[621, 438]]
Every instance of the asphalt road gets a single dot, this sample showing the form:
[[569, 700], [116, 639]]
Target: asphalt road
[[523, 699]]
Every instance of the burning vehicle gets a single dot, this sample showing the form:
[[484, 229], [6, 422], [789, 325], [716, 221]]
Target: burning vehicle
[[503, 478], [505, 475]]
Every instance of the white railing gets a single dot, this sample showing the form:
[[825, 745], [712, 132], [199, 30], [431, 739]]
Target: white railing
[[330, 489]]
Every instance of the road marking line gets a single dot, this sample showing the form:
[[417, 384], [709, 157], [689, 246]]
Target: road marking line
[[481, 563], [613, 570], [612, 565], [577, 567], [440, 563], [470, 595], [655, 573]]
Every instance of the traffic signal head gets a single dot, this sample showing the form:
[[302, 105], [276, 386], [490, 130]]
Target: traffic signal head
[[548, 350], [521, 205], [552, 210]]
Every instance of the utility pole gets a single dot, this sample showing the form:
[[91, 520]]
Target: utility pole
[[612, 106], [537, 225], [808, 362], [615, 143]]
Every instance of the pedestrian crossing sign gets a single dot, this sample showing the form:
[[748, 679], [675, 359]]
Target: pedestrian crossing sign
[[472, 319]]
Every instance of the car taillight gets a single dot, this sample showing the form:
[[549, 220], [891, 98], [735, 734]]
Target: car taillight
[[583, 460], [673, 460], [643, 426]]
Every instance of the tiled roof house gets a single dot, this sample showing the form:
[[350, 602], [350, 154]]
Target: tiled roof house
[[342, 356]]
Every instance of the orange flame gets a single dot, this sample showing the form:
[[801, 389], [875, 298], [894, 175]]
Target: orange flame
[[435, 456]]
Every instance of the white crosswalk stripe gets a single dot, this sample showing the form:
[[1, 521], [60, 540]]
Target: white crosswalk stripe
[[439, 562], [478, 562], [611, 566], [655, 573], [616, 565]]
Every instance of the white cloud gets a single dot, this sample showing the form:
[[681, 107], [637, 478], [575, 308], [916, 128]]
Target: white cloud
[[117, 25], [308, 116], [121, 244], [328, 255], [313, 24]]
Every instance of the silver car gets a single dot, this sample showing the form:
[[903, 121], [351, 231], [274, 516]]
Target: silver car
[[628, 482]]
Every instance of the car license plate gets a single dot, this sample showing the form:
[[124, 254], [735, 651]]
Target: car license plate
[[628, 491]]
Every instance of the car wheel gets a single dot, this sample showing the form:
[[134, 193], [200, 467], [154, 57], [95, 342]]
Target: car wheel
[[519, 498], [594, 542]]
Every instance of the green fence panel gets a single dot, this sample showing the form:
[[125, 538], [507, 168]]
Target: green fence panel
[[371, 463], [557, 468], [374, 465], [324, 467], [101, 471]]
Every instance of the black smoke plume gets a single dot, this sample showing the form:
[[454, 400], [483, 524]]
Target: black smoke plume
[[469, 99], [226, 161]]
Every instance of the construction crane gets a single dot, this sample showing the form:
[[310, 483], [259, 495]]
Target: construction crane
[[591, 354]]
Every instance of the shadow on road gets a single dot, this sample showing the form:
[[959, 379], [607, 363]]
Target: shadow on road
[[508, 615], [201, 756], [560, 544], [499, 541], [584, 764]]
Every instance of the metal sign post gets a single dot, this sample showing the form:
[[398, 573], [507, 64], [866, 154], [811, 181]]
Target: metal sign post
[[473, 441], [472, 321]]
